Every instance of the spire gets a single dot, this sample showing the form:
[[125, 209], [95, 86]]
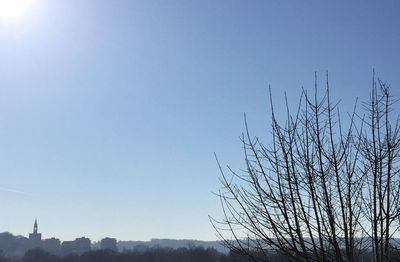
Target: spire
[[35, 227]]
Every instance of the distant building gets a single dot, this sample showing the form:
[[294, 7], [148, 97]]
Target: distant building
[[109, 243], [52, 245], [83, 244], [78, 246], [68, 247], [35, 238]]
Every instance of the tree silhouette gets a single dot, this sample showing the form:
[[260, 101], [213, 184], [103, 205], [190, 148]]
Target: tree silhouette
[[322, 190], [38, 255]]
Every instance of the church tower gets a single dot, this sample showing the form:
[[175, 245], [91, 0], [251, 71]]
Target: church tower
[[35, 238]]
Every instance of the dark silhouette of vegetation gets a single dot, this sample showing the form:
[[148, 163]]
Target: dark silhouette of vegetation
[[38, 255], [194, 254], [322, 190]]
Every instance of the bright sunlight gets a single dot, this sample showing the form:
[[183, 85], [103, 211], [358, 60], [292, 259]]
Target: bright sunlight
[[13, 8]]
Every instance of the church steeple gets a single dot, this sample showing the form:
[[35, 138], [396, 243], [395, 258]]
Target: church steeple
[[35, 227], [35, 238]]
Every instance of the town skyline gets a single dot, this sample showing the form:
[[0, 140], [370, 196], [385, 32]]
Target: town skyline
[[16, 246], [52, 245]]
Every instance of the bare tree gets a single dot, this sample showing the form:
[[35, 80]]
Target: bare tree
[[321, 190], [380, 145]]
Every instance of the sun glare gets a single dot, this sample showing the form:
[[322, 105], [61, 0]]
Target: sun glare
[[13, 8]]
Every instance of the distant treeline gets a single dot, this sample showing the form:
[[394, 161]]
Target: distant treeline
[[195, 254], [160, 254]]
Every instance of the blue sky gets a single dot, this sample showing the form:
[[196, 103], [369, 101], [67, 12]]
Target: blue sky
[[110, 111]]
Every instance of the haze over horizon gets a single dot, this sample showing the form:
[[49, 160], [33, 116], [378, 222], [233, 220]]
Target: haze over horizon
[[110, 112]]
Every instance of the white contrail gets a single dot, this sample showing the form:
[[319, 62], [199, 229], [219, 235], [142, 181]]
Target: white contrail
[[15, 191]]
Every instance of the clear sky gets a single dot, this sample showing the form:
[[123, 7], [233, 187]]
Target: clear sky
[[110, 111]]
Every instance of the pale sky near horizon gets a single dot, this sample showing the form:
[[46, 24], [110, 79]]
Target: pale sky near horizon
[[110, 111]]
